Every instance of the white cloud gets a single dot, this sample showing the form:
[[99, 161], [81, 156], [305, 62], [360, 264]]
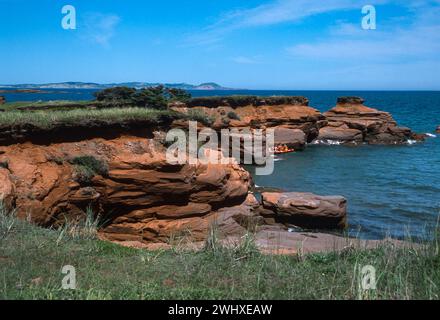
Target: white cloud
[[99, 28], [275, 12], [419, 40], [246, 60]]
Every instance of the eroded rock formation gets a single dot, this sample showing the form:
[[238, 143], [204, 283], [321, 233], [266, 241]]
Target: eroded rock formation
[[281, 113], [142, 197], [352, 122], [2, 100], [437, 130], [305, 210]]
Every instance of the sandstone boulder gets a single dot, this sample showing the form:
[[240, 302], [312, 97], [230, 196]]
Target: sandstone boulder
[[342, 134], [305, 210], [293, 138], [352, 122]]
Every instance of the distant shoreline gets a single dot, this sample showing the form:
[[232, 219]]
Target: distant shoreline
[[23, 91], [83, 85]]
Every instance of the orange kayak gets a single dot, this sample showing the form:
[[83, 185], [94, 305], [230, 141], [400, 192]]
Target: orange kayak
[[278, 151], [287, 151]]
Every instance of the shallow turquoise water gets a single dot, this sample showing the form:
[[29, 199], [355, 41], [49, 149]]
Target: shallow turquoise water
[[391, 190]]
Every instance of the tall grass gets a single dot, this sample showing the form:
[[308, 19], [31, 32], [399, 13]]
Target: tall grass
[[85, 228], [109, 271], [7, 221], [50, 119]]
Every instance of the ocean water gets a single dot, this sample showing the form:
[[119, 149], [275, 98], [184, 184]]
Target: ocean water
[[391, 190]]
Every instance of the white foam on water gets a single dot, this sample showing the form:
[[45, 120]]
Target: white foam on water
[[328, 142], [431, 135], [411, 142]]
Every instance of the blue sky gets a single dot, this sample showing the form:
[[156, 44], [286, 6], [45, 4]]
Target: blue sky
[[270, 44]]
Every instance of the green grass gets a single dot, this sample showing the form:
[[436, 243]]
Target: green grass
[[31, 259], [50, 119], [11, 106], [87, 167]]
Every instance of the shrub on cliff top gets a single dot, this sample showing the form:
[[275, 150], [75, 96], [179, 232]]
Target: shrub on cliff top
[[233, 116], [152, 97], [200, 116], [117, 93]]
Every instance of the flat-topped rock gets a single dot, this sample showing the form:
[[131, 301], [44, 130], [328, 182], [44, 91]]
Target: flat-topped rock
[[257, 113], [352, 122], [305, 210]]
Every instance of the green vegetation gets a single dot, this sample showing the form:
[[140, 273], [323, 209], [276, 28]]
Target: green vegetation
[[47, 120], [153, 97], [31, 259], [232, 115], [4, 164], [241, 101], [41, 105], [87, 167], [200, 116], [119, 97]]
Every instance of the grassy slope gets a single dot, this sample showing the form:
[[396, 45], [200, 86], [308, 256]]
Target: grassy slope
[[50, 119], [31, 259]]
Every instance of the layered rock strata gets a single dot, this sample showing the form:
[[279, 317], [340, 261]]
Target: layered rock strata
[[305, 210], [354, 123]]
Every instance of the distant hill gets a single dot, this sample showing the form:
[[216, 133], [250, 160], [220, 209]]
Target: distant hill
[[89, 85]]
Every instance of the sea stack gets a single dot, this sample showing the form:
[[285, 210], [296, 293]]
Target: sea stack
[[351, 122], [2, 100]]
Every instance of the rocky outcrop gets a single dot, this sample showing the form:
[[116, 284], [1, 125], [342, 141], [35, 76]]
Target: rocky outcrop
[[352, 122], [128, 181], [437, 130], [280, 113], [292, 138], [305, 210], [2, 100], [143, 199]]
